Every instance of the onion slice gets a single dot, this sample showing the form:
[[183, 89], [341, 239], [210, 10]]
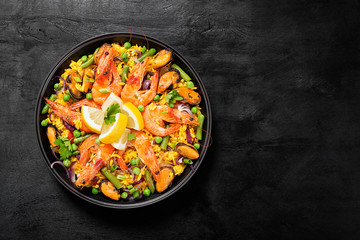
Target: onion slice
[[183, 107], [165, 164], [61, 164], [68, 126], [188, 136], [146, 84], [179, 160]]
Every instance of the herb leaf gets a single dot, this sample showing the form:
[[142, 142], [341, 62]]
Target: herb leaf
[[131, 136], [172, 97], [65, 149], [110, 113]]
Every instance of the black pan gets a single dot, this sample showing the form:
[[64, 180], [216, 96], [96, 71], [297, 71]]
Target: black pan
[[46, 90]]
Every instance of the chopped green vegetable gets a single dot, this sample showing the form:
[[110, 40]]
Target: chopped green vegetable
[[156, 98], [136, 194], [44, 123], [194, 109], [104, 90], [137, 160], [151, 52], [130, 186], [124, 74], [82, 133], [188, 161], [111, 112], [77, 79], [131, 136], [164, 143], [74, 147], [90, 60], [133, 162], [124, 55], [81, 139], [111, 178], [57, 86], [46, 107], [197, 145], [113, 167], [76, 133], [182, 73], [149, 181], [97, 141], [143, 49], [133, 190], [88, 96], [121, 177], [89, 80], [94, 191], [189, 84], [199, 128]]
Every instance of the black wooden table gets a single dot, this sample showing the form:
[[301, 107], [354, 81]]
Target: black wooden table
[[284, 84]]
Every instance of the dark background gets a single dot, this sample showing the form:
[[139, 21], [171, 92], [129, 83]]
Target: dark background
[[283, 81]]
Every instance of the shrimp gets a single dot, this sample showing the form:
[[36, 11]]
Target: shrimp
[[102, 156], [106, 76], [85, 102], [120, 160], [146, 154], [68, 115], [132, 92], [154, 120]]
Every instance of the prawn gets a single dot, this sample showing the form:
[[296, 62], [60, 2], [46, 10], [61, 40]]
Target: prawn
[[106, 75], [146, 154], [132, 93], [67, 114], [154, 120], [102, 155]]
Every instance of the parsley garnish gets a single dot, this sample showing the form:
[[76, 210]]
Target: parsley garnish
[[172, 97], [65, 149], [131, 136], [110, 113]]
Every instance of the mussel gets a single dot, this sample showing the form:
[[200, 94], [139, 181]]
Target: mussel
[[190, 96], [187, 151], [168, 79], [109, 190], [166, 177], [162, 58], [51, 133], [75, 93], [88, 79]]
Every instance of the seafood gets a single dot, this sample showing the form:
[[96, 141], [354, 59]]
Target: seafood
[[168, 79], [107, 78], [190, 96], [154, 120], [85, 102], [132, 93], [68, 115], [102, 155], [71, 80], [162, 58]]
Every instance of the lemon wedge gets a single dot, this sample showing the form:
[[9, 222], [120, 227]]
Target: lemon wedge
[[93, 118], [121, 143], [112, 132], [135, 119], [112, 99]]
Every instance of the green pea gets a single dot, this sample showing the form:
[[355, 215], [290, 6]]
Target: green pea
[[156, 98], [136, 194], [158, 139], [124, 55], [74, 147], [127, 45], [124, 195], [57, 86], [84, 58], [137, 161], [44, 123], [197, 145], [97, 141], [94, 191], [194, 109], [66, 97], [141, 108], [76, 133], [133, 162], [146, 192], [67, 163], [88, 96], [189, 84], [143, 50], [148, 76], [136, 170], [113, 167]]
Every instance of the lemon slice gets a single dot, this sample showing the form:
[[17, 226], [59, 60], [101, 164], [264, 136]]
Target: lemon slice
[[113, 131], [93, 118], [121, 143], [135, 120], [112, 99]]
